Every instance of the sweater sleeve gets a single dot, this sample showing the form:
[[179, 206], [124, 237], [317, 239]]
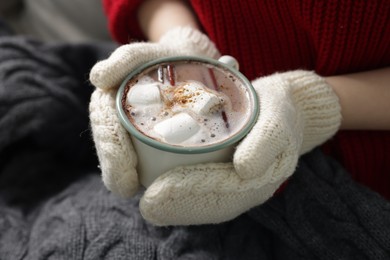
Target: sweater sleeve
[[122, 20]]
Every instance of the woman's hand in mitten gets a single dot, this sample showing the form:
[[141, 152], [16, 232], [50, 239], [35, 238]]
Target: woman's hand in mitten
[[298, 111], [114, 149]]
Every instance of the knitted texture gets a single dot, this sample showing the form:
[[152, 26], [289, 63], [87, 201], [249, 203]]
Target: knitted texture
[[116, 154], [320, 106], [202, 194], [298, 111], [111, 72], [53, 204], [268, 36], [44, 129], [330, 38], [267, 156]]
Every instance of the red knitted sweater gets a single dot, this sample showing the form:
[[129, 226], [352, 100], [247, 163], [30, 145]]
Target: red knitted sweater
[[331, 37]]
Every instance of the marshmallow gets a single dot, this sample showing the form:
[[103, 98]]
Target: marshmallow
[[145, 94], [177, 129], [195, 97]]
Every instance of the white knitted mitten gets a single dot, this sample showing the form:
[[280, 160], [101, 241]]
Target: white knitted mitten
[[111, 72], [298, 111], [113, 145]]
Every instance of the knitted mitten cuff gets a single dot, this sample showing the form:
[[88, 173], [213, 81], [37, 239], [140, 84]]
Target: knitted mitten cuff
[[320, 107]]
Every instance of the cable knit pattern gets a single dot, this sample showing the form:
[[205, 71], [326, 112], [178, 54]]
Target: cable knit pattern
[[53, 204], [212, 193], [200, 194]]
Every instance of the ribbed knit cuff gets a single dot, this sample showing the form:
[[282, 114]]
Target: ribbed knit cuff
[[320, 107]]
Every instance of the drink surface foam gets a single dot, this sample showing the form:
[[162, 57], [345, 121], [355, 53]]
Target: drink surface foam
[[187, 103]]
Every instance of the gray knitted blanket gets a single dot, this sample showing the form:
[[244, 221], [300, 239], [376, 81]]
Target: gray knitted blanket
[[53, 204]]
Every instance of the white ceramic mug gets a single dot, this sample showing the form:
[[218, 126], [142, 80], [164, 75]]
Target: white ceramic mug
[[155, 157]]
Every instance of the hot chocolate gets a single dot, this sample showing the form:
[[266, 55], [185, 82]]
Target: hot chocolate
[[184, 111], [187, 103]]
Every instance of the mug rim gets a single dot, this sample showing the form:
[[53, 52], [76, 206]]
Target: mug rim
[[187, 149]]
